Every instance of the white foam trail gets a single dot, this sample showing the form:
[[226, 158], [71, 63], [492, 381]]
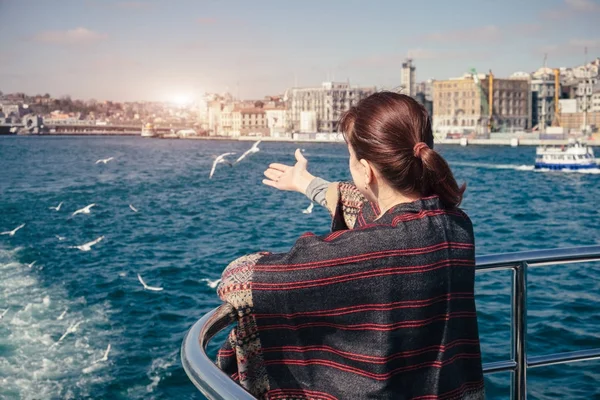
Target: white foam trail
[[159, 368], [28, 368], [493, 166], [592, 171]]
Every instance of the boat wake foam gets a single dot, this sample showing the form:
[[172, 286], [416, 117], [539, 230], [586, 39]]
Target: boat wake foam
[[493, 166], [514, 167], [32, 364]]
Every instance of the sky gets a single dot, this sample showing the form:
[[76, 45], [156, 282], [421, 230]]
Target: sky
[[169, 50]]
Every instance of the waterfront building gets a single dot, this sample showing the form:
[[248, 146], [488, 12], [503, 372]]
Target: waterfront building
[[253, 122], [462, 105], [596, 98], [543, 105], [328, 102], [408, 78], [424, 95], [276, 119]]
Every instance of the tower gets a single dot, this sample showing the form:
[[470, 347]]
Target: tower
[[408, 78]]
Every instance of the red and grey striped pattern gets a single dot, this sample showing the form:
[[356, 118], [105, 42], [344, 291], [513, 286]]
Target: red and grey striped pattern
[[384, 310]]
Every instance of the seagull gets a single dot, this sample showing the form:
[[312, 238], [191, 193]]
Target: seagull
[[84, 210], [211, 284], [30, 265], [220, 159], [133, 208], [104, 357], [105, 160], [3, 313], [88, 246], [61, 316], [309, 209], [12, 233], [60, 238], [253, 149], [57, 208], [70, 329], [154, 288]]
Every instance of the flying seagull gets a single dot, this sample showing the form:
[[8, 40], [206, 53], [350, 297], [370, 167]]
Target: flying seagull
[[57, 208], [70, 329], [88, 246], [211, 284], [251, 150], [12, 233], [60, 238], [61, 316], [30, 265], [104, 357], [3, 313], [133, 208], [309, 209], [84, 210], [154, 288], [220, 159], [105, 160]]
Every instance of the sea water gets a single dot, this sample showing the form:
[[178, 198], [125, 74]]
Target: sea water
[[188, 228]]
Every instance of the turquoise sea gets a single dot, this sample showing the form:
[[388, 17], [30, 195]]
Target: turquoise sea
[[188, 228]]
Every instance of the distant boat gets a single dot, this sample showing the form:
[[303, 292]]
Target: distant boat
[[148, 131], [575, 155], [8, 129]]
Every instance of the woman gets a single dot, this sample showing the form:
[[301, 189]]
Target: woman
[[383, 307]]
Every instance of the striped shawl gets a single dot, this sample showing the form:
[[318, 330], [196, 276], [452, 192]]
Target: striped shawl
[[383, 310]]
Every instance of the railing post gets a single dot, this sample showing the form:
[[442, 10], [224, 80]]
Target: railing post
[[519, 332]]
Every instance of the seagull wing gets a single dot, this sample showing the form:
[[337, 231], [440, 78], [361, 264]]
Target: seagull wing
[[242, 156], [59, 206], [255, 145], [4, 312], [141, 280], [105, 357], [99, 161], [154, 288], [87, 208], [133, 208], [214, 166], [93, 242]]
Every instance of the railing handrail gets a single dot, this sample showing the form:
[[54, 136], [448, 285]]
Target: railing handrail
[[217, 385]]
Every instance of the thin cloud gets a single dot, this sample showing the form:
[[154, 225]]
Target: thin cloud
[[481, 34], [417, 54], [206, 20], [589, 43], [573, 47], [582, 5], [133, 5], [77, 36], [570, 9]]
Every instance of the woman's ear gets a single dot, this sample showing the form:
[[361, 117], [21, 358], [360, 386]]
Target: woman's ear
[[367, 171]]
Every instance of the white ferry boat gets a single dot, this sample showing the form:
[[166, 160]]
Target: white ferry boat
[[575, 155], [148, 131]]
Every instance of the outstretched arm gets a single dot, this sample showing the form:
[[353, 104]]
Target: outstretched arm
[[343, 200]]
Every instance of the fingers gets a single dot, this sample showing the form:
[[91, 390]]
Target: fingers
[[270, 183], [300, 157], [279, 167], [272, 174]]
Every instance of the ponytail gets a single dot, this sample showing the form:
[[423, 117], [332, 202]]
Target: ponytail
[[394, 133], [437, 178]]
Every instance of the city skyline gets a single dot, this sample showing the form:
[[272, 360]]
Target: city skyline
[[177, 50]]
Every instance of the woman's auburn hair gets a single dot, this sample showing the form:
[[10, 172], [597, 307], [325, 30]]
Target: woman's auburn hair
[[384, 129]]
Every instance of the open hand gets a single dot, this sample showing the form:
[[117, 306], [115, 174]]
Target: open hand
[[285, 177]]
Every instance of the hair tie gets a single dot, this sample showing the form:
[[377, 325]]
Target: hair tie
[[419, 147]]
